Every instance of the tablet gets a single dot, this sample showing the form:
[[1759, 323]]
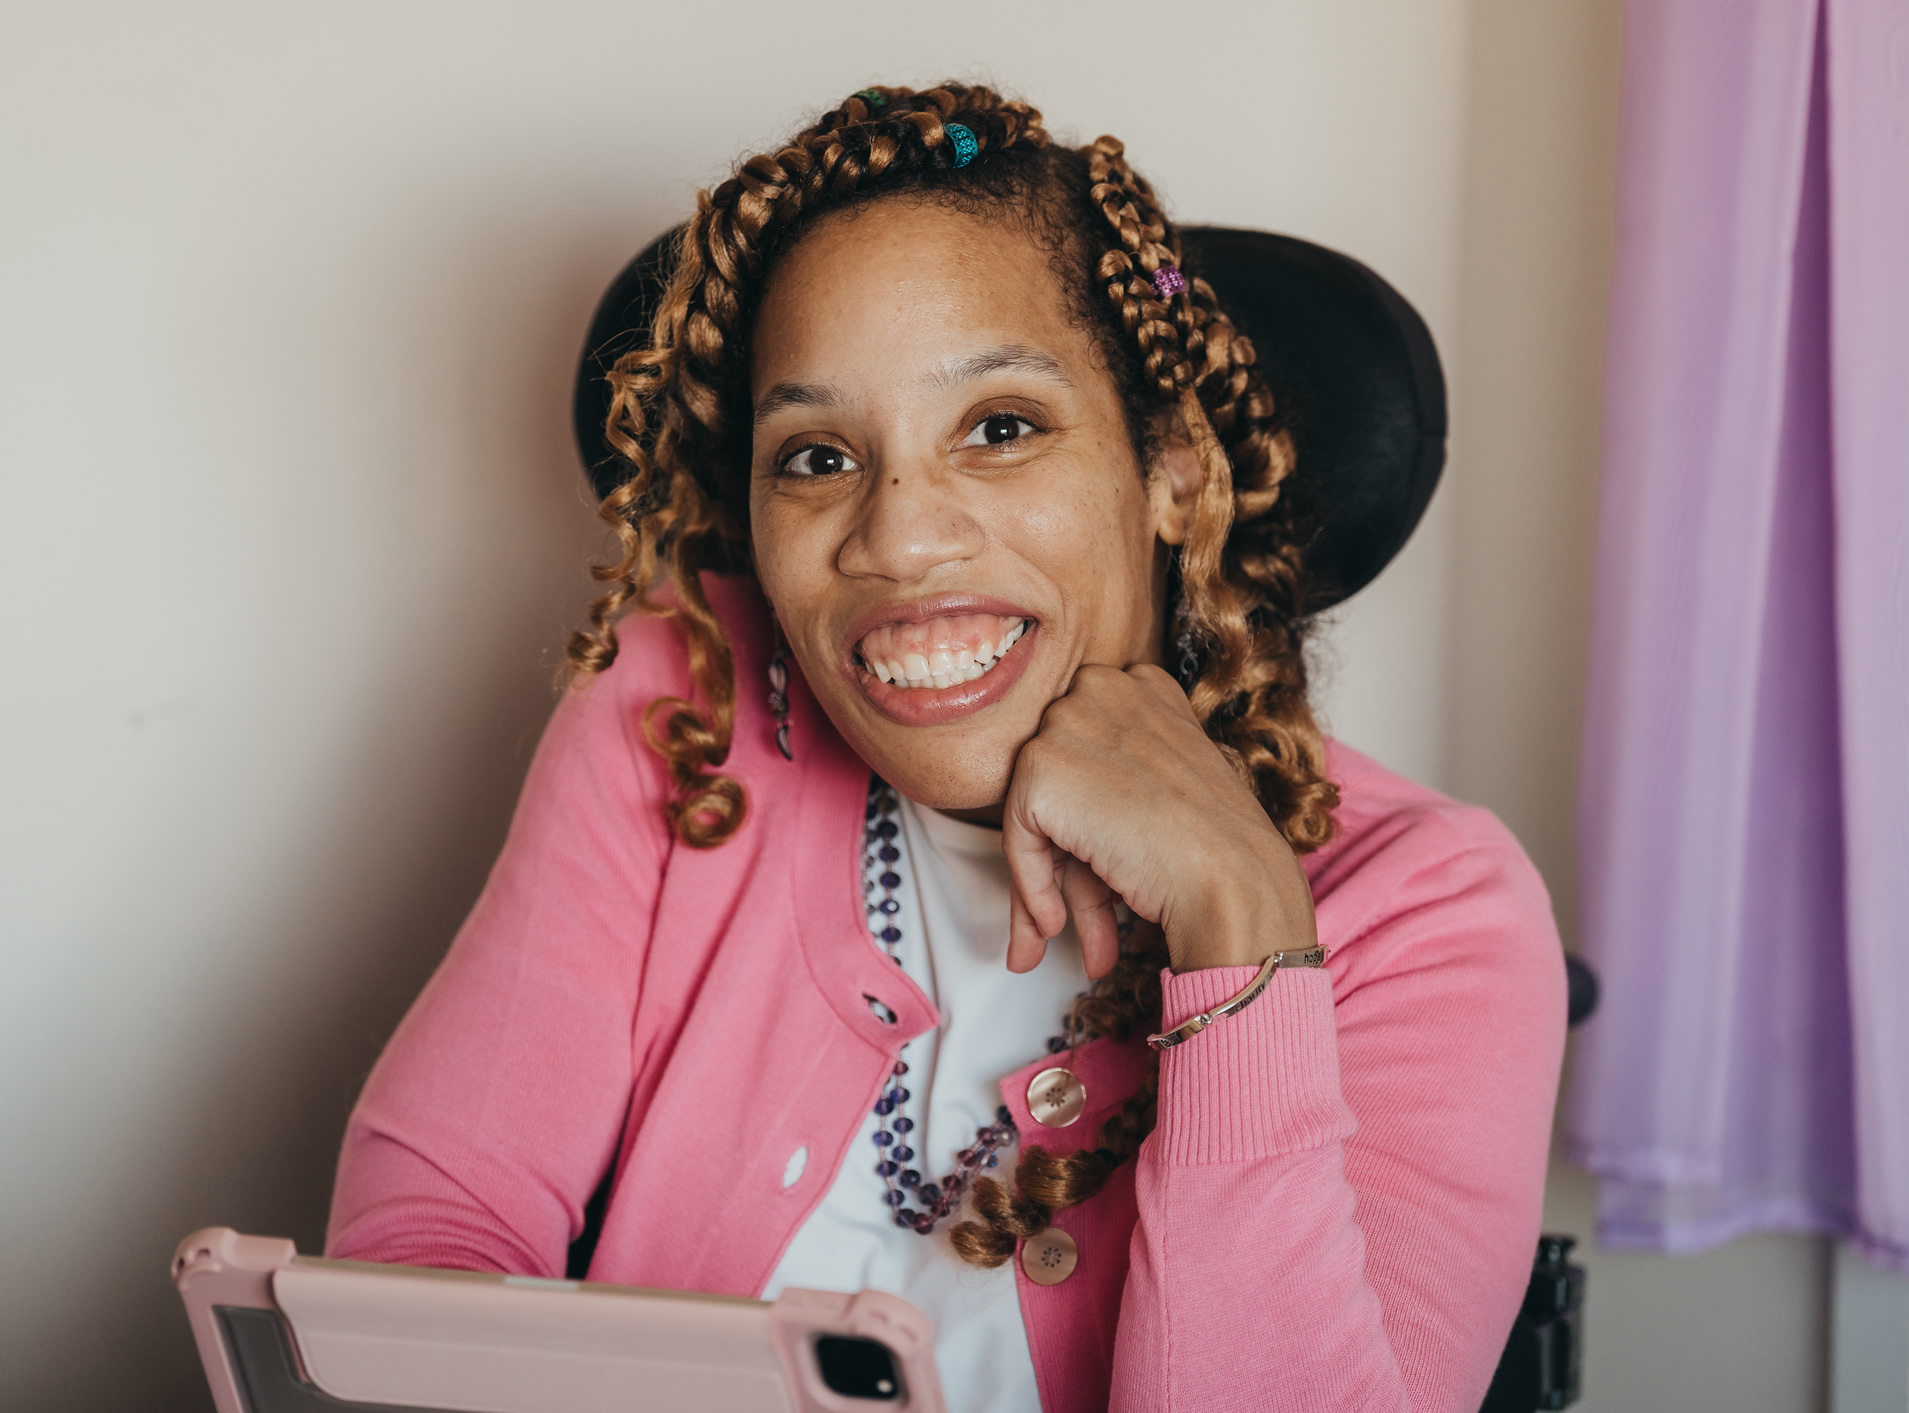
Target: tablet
[[284, 1333]]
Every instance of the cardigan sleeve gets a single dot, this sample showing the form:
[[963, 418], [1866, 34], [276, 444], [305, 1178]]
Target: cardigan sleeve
[[1338, 1206], [497, 1106]]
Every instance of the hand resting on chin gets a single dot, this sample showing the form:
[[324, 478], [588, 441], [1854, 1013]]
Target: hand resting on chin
[[1121, 794]]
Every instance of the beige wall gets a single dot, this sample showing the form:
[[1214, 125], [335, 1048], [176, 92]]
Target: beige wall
[[293, 527]]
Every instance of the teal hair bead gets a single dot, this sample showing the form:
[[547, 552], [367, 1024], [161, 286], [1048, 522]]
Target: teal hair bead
[[874, 97], [961, 138]]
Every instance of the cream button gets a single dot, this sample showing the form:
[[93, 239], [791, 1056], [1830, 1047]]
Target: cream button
[[1049, 1258], [1055, 1098]]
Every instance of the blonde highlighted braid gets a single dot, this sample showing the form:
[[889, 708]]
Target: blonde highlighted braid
[[680, 416]]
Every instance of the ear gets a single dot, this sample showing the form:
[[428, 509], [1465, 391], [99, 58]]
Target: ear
[[1174, 487]]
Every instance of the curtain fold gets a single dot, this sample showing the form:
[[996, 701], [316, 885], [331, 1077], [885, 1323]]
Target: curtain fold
[[1744, 839]]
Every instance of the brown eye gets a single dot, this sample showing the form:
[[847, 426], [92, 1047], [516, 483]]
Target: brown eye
[[1002, 427], [819, 460]]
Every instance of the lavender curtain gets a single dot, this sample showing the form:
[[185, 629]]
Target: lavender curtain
[[1745, 801]]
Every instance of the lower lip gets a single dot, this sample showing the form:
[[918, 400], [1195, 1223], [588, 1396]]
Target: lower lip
[[936, 706]]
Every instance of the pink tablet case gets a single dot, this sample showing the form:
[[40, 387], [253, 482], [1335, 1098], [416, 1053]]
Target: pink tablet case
[[284, 1333]]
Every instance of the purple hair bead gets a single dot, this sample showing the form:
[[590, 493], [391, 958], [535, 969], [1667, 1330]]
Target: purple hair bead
[[1169, 281]]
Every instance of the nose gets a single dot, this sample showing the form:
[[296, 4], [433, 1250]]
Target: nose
[[911, 521]]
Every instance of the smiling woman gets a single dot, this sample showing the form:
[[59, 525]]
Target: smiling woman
[[975, 452]]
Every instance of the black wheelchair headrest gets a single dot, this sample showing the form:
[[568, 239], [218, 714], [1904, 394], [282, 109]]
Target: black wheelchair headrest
[[1348, 360]]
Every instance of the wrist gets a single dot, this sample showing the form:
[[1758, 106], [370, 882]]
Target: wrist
[[1236, 915], [1220, 934], [1214, 1010]]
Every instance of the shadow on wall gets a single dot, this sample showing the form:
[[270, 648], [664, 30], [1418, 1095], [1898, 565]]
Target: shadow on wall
[[489, 526]]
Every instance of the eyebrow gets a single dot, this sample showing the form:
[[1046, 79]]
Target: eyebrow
[[1011, 357], [795, 395]]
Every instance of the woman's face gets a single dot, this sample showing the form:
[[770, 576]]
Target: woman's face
[[948, 514]]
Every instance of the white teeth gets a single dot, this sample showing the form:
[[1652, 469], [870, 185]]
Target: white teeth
[[942, 669]]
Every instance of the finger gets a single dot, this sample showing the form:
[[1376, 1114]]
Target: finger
[[1091, 902], [1030, 856], [1027, 944]]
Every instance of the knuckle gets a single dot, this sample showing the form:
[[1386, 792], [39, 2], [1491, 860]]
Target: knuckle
[[1157, 682], [1094, 683], [1063, 715], [1151, 674]]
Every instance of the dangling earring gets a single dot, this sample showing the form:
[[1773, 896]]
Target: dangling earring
[[779, 692], [1184, 644], [1184, 641]]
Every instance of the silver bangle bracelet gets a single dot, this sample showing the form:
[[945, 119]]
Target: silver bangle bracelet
[[1186, 1030]]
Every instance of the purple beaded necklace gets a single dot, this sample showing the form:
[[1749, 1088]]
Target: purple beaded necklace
[[881, 854]]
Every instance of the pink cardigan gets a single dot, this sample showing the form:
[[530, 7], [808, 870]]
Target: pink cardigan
[[1336, 1211]]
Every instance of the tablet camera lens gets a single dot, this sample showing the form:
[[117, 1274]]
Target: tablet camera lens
[[858, 1368]]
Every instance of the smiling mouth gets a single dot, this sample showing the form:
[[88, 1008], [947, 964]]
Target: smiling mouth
[[940, 652]]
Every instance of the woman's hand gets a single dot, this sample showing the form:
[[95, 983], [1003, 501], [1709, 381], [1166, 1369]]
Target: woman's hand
[[1120, 793]]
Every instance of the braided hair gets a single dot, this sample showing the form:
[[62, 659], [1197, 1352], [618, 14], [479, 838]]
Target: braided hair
[[679, 415]]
